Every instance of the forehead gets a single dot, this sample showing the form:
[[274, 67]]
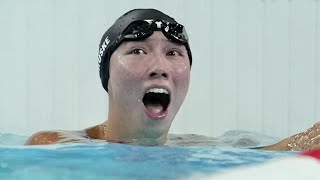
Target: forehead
[[155, 38]]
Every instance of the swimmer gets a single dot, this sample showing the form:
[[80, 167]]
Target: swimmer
[[145, 62]]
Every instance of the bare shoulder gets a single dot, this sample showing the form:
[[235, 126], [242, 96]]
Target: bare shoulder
[[44, 137], [55, 137]]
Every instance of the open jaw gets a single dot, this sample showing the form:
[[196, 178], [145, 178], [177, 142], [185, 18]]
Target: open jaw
[[156, 102]]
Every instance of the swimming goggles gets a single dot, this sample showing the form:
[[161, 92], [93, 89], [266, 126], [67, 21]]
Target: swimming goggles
[[142, 29]]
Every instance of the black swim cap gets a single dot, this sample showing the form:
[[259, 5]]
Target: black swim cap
[[116, 34]]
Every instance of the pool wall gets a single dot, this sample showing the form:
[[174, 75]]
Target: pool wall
[[255, 64]]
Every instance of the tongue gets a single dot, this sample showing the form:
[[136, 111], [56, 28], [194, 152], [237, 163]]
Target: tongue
[[154, 108]]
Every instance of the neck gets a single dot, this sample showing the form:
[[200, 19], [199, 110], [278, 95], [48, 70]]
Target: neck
[[113, 132], [122, 126]]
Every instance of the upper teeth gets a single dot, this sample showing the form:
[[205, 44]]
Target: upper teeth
[[158, 90]]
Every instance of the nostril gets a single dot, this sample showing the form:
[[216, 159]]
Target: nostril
[[153, 74], [156, 74]]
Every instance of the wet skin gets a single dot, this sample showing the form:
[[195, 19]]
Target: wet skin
[[135, 68]]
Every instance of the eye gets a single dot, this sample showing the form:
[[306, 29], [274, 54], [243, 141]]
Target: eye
[[137, 51], [174, 53]]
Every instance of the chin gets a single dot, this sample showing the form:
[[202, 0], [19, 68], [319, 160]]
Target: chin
[[156, 130]]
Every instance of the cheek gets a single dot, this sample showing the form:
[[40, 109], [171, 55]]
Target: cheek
[[183, 78], [125, 73]]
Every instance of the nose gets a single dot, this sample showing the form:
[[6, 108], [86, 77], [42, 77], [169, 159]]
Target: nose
[[159, 68]]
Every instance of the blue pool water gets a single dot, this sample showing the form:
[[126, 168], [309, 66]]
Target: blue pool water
[[119, 161]]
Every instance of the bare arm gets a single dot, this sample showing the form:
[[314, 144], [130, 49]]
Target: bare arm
[[304, 141], [280, 146]]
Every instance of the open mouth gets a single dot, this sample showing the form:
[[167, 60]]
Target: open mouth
[[156, 102]]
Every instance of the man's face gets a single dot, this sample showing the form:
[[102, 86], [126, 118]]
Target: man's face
[[148, 82]]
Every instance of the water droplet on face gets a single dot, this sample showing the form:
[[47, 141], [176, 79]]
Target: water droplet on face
[[120, 59], [139, 100]]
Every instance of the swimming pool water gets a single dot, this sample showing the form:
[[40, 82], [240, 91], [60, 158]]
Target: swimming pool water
[[120, 161]]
